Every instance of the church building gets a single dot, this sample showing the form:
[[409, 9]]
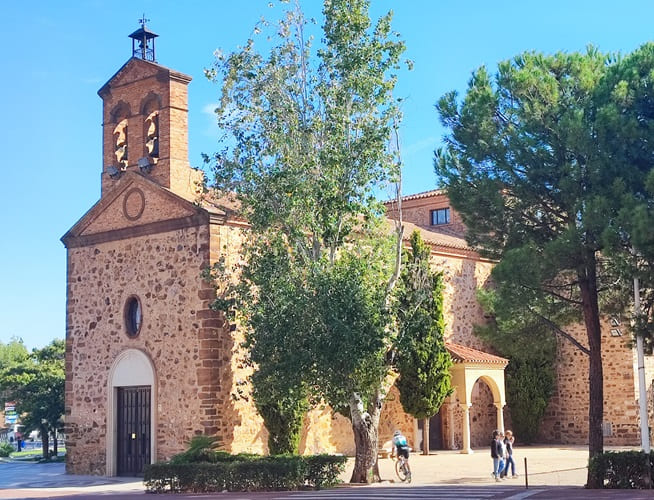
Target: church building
[[149, 364]]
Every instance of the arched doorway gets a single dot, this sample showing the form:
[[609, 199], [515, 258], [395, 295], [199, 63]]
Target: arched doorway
[[132, 414], [483, 414]]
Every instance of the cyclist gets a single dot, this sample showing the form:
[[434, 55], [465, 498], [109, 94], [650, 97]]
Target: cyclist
[[401, 448], [400, 443]]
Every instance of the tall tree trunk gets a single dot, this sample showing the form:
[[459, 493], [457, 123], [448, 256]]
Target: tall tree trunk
[[425, 436], [45, 443], [588, 289], [365, 426], [55, 452]]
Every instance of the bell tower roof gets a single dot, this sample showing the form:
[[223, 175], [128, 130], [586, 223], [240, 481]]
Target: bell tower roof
[[143, 42]]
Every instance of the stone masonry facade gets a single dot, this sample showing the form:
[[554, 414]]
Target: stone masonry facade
[[150, 237]]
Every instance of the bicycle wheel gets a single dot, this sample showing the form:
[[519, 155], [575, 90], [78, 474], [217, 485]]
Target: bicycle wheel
[[401, 470]]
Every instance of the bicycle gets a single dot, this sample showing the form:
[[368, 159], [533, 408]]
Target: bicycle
[[402, 469]]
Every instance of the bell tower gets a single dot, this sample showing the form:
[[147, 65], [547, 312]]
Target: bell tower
[[145, 121]]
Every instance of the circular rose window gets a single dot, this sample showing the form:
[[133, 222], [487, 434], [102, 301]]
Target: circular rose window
[[133, 316]]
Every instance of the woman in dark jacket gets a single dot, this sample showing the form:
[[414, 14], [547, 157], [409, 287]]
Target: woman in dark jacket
[[496, 450]]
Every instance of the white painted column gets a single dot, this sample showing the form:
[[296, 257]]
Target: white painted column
[[450, 426], [500, 416], [466, 428]]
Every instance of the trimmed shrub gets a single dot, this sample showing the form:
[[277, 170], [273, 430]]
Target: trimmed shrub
[[245, 473], [6, 449], [623, 469], [323, 470]]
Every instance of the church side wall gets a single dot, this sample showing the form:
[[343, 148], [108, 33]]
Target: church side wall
[[566, 417], [462, 277], [163, 271], [240, 429]]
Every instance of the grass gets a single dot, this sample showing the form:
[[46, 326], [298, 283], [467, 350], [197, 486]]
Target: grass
[[36, 455]]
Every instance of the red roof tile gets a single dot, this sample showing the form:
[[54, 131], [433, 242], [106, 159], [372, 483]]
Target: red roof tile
[[417, 196], [440, 238], [463, 354]]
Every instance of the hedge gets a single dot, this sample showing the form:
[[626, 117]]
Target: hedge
[[245, 473], [623, 469]]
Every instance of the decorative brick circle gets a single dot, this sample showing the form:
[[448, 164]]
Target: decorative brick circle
[[133, 204]]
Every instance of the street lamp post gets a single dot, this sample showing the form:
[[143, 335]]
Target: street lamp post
[[642, 389]]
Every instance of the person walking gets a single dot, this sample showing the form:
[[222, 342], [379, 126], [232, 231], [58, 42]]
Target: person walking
[[496, 450], [502, 453], [508, 443]]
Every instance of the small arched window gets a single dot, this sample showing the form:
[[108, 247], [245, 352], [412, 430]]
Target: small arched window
[[133, 316]]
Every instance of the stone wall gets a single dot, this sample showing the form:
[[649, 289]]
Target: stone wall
[[417, 209], [566, 418], [461, 278], [162, 270], [240, 426], [483, 415]]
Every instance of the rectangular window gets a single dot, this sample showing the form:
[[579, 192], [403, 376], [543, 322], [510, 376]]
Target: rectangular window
[[440, 216]]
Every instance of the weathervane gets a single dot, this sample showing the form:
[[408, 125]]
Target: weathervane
[[143, 20]]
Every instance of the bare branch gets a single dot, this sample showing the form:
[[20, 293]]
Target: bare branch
[[399, 227], [558, 331]]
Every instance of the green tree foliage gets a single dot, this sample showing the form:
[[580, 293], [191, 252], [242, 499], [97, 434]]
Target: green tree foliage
[[522, 167], [273, 301], [624, 120], [307, 144], [530, 347], [12, 352], [282, 410], [36, 383], [422, 360]]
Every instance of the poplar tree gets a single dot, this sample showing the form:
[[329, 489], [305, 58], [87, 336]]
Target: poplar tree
[[307, 145]]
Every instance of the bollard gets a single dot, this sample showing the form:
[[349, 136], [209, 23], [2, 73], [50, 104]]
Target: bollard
[[526, 478]]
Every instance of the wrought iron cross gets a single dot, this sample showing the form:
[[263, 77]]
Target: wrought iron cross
[[143, 20]]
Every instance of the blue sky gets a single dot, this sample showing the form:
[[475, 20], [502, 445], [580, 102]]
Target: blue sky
[[56, 55]]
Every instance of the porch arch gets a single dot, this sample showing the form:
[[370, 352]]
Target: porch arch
[[469, 366]]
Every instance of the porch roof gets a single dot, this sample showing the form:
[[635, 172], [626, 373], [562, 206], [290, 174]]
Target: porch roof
[[463, 354]]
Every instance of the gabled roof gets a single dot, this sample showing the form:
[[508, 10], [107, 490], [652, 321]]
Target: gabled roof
[[226, 203], [463, 354], [106, 220], [153, 67]]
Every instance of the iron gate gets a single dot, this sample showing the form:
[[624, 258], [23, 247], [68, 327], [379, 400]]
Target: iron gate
[[133, 430]]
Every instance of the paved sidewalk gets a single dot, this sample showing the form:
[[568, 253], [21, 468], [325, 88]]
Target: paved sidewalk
[[28, 479], [551, 466], [547, 466]]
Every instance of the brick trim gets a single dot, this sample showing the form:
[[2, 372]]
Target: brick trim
[[165, 226]]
